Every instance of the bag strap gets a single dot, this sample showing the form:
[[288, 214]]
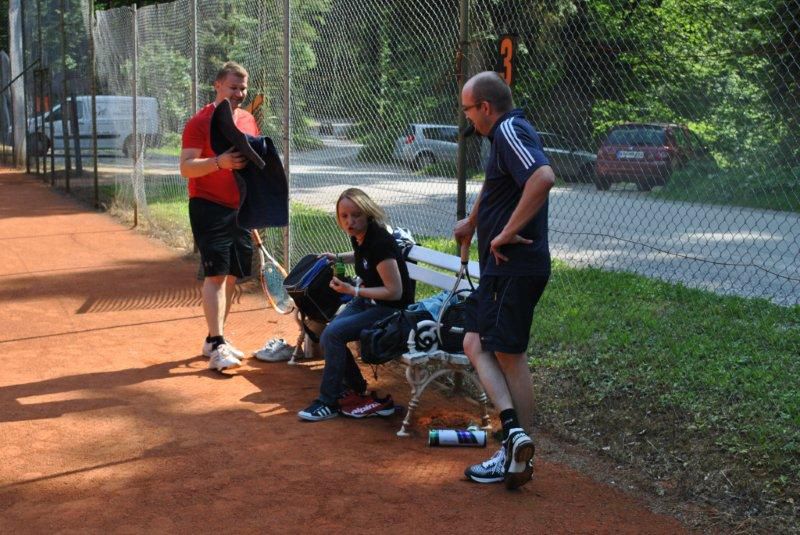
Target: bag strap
[[307, 329]]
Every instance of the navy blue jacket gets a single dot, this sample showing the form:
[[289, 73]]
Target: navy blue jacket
[[263, 188], [263, 193]]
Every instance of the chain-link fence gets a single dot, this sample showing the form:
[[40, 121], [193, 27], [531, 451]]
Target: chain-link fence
[[672, 126]]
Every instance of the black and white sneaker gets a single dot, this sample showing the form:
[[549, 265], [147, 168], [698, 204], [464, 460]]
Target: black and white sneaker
[[489, 471], [519, 450], [318, 411]]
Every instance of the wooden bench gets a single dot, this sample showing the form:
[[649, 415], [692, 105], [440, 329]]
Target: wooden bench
[[423, 366]]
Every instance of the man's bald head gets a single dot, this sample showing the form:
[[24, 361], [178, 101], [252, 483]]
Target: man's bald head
[[490, 87]]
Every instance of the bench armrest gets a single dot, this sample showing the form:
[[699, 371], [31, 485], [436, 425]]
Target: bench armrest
[[425, 334]]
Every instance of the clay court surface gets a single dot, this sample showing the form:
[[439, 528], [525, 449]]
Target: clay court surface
[[110, 421]]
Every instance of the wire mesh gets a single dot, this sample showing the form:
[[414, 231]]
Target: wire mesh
[[675, 145], [675, 158]]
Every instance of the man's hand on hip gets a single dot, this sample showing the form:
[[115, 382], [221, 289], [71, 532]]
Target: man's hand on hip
[[505, 239]]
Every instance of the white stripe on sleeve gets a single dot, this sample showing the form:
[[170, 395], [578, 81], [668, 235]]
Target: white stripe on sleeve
[[515, 143]]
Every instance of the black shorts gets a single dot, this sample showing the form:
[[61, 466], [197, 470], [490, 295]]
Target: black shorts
[[225, 247], [501, 311]]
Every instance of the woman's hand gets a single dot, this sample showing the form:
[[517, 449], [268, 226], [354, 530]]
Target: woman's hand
[[342, 287], [330, 256]]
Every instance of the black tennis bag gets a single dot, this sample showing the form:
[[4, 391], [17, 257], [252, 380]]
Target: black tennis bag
[[387, 339], [308, 284], [453, 321]]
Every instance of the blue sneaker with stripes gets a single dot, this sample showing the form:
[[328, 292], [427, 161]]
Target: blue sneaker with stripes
[[491, 470], [318, 411]]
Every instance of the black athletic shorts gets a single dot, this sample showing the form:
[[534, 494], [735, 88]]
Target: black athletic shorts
[[225, 247], [501, 311]]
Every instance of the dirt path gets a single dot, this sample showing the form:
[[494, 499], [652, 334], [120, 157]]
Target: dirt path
[[110, 422]]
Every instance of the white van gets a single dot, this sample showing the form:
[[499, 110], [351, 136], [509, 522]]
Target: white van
[[114, 124]]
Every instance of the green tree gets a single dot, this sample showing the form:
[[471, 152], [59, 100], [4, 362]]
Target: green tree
[[156, 65]]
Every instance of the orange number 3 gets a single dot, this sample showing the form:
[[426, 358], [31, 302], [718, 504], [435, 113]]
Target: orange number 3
[[507, 53]]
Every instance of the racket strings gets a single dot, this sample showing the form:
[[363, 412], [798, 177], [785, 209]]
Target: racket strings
[[273, 279]]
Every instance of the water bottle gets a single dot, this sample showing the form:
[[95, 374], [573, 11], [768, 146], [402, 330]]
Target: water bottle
[[338, 268]]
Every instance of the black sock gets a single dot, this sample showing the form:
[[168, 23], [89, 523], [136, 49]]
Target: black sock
[[509, 420], [215, 341]]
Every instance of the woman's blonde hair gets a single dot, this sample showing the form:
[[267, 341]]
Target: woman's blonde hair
[[365, 204]]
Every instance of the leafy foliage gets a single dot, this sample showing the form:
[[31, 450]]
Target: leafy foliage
[[728, 69]]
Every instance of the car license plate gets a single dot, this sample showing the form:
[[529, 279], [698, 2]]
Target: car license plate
[[630, 154]]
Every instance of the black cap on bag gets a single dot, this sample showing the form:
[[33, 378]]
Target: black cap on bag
[[225, 135]]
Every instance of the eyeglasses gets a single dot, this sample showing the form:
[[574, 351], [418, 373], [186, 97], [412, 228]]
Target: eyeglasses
[[465, 109]]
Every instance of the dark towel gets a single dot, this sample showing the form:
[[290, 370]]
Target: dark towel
[[263, 188]]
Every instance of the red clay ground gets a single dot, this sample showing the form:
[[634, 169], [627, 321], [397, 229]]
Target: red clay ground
[[110, 421]]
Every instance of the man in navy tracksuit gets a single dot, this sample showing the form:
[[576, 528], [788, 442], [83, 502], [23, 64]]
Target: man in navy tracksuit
[[510, 216]]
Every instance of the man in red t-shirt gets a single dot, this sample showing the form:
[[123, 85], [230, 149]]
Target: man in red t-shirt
[[226, 249]]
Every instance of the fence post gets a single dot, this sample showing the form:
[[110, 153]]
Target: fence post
[[193, 8], [36, 95], [52, 130], [64, 106], [75, 126], [93, 67], [462, 68], [193, 26], [35, 137], [41, 71], [25, 85], [135, 133], [287, 112], [17, 60]]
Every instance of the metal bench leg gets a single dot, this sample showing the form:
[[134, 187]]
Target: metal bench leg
[[415, 376], [419, 378]]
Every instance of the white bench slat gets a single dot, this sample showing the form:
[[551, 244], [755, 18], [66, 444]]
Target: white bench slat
[[442, 260], [434, 278]]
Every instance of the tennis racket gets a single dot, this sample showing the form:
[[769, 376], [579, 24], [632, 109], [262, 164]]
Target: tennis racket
[[271, 275], [254, 104]]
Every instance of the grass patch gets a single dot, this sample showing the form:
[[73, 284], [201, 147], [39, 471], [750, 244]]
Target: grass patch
[[450, 169], [778, 189], [170, 145], [315, 231], [698, 390]]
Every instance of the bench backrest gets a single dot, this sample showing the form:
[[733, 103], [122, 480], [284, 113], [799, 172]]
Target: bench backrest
[[428, 259]]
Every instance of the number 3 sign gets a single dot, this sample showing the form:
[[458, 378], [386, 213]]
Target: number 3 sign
[[506, 59]]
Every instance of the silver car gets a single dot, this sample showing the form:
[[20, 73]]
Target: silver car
[[422, 145]]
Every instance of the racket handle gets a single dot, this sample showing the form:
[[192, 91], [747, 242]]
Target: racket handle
[[464, 252]]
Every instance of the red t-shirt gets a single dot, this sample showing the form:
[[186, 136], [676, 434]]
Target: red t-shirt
[[219, 186]]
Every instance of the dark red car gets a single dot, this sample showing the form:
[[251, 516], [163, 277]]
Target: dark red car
[[647, 154]]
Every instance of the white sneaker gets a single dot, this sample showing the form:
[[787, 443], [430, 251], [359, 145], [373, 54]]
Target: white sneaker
[[208, 348], [222, 359], [275, 350]]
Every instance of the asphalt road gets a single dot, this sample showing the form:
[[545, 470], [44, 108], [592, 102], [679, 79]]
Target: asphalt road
[[728, 250]]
